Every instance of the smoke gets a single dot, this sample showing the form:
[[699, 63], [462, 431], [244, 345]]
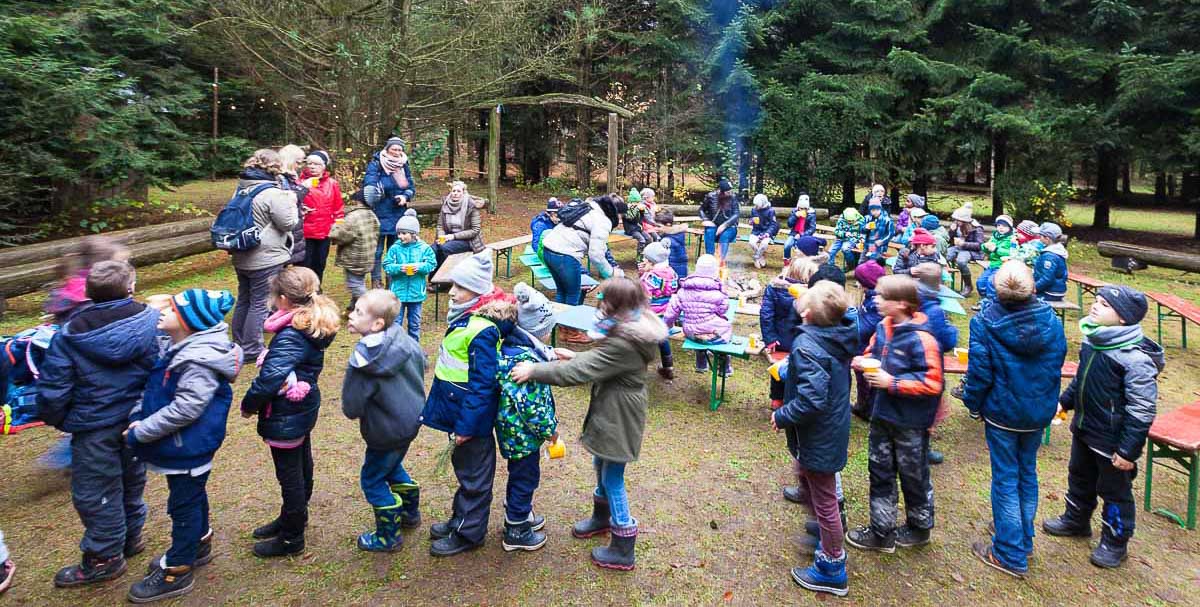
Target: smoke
[[736, 94]]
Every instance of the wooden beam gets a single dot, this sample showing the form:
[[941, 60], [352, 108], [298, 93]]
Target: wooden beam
[[614, 136], [553, 99], [56, 249], [493, 159]]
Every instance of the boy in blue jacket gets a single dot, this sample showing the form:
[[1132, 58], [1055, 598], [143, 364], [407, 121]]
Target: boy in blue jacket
[[408, 265], [463, 401], [179, 427], [1114, 398], [907, 388], [1017, 351], [94, 374], [816, 418], [1050, 267], [543, 221]]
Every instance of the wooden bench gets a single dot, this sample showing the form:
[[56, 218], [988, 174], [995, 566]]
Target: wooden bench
[[1176, 307], [1062, 307], [505, 247], [442, 277], [951, 366], [1175, 436], [1084, 284], [735, 348]]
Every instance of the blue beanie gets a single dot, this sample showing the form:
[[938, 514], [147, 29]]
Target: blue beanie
[[1127, 302], [930, 222], [724, 185], [200, 309]]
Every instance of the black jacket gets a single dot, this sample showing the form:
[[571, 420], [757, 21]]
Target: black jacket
[[384, 389], [279, 418], [816, 405]]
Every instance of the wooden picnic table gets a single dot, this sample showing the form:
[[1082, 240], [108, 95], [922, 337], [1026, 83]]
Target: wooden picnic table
[[1175, 436], [1177, 307], [950, 365], [442, 277], [1084, 284], [505, 247]]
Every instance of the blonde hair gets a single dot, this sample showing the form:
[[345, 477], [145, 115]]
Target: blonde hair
[[826, 303], [265, 159], [621, 296], [1013, 282], [458, 183], [290, 157], [315, 314], [382, 304], [801, 269], [901, 288]]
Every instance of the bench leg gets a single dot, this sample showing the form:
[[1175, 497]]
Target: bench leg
[[1193, 490], [713, 400], [1149, 475], [507, 264], [1046, 436], [1183, 329], [1158, 309]]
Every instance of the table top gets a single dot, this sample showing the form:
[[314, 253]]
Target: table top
[[582, 318], [736, 346], [442, 276], [547, 283], [950, 365]]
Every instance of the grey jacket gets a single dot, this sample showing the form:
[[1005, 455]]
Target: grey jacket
[[275, 214], [200, 361], [384, 388]]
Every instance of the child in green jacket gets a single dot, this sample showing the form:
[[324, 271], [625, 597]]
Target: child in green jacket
[[997, 249], [407, 265]]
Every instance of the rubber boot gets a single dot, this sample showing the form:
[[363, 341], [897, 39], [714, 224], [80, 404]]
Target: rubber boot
[[410, 504], [826, 574], [92, 569], [386, 537], [162, 584], [597, 524], [1070, 524], [521, 536], [618, 554], [964, 272], [1110, 552]]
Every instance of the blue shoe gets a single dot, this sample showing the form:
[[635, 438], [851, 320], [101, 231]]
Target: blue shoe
[[824, 575], [386, 536]]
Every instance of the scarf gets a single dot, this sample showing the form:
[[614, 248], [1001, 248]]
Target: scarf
[[279, 320], [395, 167], [457, 310], [605, 325], [455, 213]]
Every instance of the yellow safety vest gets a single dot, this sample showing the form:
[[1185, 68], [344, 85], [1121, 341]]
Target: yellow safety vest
[[454, 358]]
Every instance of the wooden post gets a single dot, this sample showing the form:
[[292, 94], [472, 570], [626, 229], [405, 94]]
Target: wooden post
[[216, 103], [493, 159], [451, 147], [614, 135]]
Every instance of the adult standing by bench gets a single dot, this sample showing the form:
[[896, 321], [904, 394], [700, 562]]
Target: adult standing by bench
[[274, 212], [459, 228], [720, 214], [322, 206], [387, 188], [582, 231]]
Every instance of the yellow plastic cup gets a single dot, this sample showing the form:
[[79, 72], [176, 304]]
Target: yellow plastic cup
[[797, 290], [961, 355], [753, 342], [871, 366], [557, 449], [773, 370], [410, 269], [315, 181], [755, 221]]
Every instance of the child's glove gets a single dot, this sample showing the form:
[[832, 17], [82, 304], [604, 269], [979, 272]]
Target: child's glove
[[294, 389]]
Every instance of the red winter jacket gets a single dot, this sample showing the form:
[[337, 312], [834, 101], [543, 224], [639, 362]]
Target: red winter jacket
[[325, 200]]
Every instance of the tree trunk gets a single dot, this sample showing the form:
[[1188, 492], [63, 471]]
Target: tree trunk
[[987, 167], [1160, 187], [670, 193], [971, 170], [614, 138], [1071, 175], [848, 189], [481, 145], [1106, 186], [759, 170], [1125, 187], [583, 170], [1171, 185], [921, 186], [494, 157], [999, 165], [451, 149]]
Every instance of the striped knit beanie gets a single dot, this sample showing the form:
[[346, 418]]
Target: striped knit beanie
[[201, 309]]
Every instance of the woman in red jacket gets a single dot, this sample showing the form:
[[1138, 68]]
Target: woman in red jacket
[[322, 207]]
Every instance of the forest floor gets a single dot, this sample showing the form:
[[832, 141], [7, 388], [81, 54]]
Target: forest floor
[[714, 529]]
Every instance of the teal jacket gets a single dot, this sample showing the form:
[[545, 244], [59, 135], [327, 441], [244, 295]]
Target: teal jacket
[[409, 288]]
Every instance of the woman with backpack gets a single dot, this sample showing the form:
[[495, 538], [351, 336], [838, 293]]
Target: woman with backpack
[[582, 232], [459, 227]]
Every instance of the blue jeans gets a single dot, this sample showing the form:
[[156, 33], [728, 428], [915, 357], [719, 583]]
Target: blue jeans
[[984, 284], [524, 476], [711, 240], [788, 245], [565, 270], [847, 249], [664, 353], [187, 503], [411, 310], [385, 242], [1014, 493], [381, 470], [610, 485]]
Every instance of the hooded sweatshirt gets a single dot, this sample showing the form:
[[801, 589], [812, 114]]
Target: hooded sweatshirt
[[384, 388], [816, 403], [910, 353], [1050, 272], [849, 227], [356, 237], [526, 415], [1016, 354]]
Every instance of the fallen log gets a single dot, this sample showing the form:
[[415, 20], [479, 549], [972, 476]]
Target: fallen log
[[56, 249], [781, 212], [1176, 260]]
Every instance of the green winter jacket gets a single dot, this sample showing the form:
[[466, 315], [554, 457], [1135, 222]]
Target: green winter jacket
[[849, 227], [409, 288], [616, 368], [1005, 245], [356, 236]]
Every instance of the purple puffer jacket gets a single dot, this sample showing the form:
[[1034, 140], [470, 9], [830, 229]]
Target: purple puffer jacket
[[703, 302]]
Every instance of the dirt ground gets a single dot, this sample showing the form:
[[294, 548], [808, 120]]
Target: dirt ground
[[714, 529]]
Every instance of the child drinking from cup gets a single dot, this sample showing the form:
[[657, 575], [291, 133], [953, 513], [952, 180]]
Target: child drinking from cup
[[407, 265]]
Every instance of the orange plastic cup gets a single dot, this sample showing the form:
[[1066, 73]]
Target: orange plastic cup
[[961, 355], [557, 449], [871, 366]]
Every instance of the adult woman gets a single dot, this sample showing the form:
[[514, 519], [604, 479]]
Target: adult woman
[[291, 162], [564, 247], [459, 227], [719, 213], [322, 207], [387, 188], [878, 193], [275, 215]]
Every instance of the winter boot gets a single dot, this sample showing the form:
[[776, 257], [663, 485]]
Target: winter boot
[[597, 524], [91, 569], [865, 538], [386, 537], [964, 273], [204, 555], [911, 537], [279, 546], [1067, 525], [269, 530], [826, 574], [618, 554], [134, 544], [438, 531], [452, 545], [162, 584], [792, 494], [667, 373], [410, 504], [1110, 552], [702, 362], [521, 536]]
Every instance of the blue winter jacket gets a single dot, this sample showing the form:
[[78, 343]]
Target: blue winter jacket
[[1116, 391], [386, 209], [810, 224], [1050, 273], [291, 351], [1015, 375], [777, 314], [540, 223], [868, 316], [678, 255], [910, 353], [93, 378], [469, 409], [409, 288], [879, 236], [945, 333], [816, 401], [767, 223]]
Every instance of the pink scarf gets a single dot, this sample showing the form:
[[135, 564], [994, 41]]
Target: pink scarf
[[395, 168], [278, 321]]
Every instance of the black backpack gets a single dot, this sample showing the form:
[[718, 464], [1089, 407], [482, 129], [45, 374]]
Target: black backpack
[[573, 212], [234, 228]]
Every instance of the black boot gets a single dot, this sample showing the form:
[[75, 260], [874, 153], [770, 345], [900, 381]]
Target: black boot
[[452, 545], [269, 530], [438, 531], [1110, 552], [964, 272], [618, 554], [162, 584], [1067, 525], [911, 537], [91, 569], [865, 538], [410, 504], [521, 536], [204, 555], [792, 494], [278, 546], [597, 524], [134, 544]]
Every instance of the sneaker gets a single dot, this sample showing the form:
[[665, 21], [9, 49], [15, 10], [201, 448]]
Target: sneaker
[[983, 551], [864, 538], [936, 457], [703, 363], [163, 584], [1061, 526], [911, 537], [204, 555], [91, 569], [826, 574]]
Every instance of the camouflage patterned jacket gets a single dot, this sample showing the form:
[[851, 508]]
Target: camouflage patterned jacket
[[526, 416]]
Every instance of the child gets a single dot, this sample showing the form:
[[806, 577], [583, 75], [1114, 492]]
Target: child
[[1017, 351], [650, 221], [879, 230], [929, 276], [904, 235], [463, 401], [356, 236], [998, 248], [801, 222], [383, 389], [543, 221], [702, 302], [967, 240], [677, 235], [922, 249], [525, 419], [940, 235], [407, 264], [866, 320], [816, 417], [1029, 244], [849, 234], [763, 228], [92, 377], [777, 316], [179, 427], [1114, 404], [616, 417], [660, 283], [907, 389], [287, 398], [635, 214], [1050, 267], [906, 216]]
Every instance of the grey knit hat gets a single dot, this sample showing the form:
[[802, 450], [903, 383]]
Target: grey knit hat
[[409, 223], [658, 252], [394, 141], [534, 313], [474, 273], [1051, 231]]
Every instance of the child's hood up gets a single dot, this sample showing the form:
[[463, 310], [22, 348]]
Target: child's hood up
[[210, 348], [394, 349], [118, 342], [1028, 328]]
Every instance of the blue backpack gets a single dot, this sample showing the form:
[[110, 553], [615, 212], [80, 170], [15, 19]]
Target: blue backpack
[[234, 228], [20, 362]]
